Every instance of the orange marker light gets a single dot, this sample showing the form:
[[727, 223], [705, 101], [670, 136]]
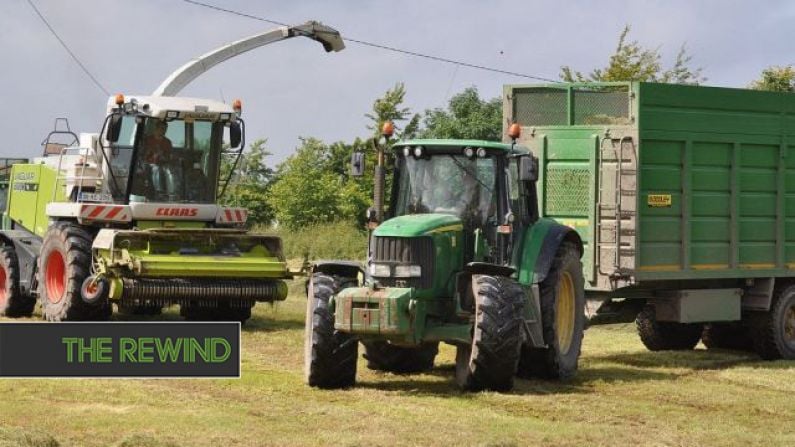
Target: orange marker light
[[514, 131], [237, 105], [119, 99], [388, 129]]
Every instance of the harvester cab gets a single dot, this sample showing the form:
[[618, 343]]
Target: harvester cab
[[461, 257], [130, 215]]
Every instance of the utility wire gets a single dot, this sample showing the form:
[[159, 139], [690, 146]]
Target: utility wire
[[378, 46], [66, 47]]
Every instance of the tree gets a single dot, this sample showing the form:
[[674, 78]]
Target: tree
[[633, 62], [777, 79], [388, 108], [250, 183], [467, 117]]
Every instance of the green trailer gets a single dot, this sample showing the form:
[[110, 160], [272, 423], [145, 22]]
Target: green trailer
[[684, 197]]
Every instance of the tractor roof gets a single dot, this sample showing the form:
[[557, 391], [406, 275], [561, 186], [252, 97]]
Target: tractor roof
[[447, 143], [157, 106]]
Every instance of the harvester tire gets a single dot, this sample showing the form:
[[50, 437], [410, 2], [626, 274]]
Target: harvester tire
[[329, 355], [773, 332], [665, 335], [13, 303], [731, 335], [383, 356], [562, 299], [490, 362], [64, 263]]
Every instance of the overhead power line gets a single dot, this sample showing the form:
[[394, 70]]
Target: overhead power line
[[378, 45], [66, 47]]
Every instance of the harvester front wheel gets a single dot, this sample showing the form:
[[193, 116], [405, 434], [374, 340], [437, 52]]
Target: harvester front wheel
[[64, 263], [329, 355], [12, 302], [383, 356], [490, 362], [665, 335], [562, 299], [773, 332]]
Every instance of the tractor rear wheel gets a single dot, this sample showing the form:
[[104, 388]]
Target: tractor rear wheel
[[64, 263], [384, 356], [329, 355], [13, 303], [665, 335], [732, 335], [562, 317], [490, 362], [773, 332]]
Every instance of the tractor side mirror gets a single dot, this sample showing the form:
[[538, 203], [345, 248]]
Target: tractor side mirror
[[357, 164], [114, 128], [235, 134], [528, 168]]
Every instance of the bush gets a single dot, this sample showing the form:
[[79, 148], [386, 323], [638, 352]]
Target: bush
[[334, 240]]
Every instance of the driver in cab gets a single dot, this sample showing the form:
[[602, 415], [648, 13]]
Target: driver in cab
[[157, 147]]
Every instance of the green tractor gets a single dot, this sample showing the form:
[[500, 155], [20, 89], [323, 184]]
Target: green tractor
[[461, 256]]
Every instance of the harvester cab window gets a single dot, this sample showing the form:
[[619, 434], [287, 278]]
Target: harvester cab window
[[177, 162]]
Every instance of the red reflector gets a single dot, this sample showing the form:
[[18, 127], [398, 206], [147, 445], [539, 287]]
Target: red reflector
[[504, 229]]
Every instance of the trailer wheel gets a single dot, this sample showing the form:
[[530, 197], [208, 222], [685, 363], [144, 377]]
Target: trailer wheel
[[562, 317], [13, 303], [665, 335], [773, 332], [64, 263], [731, 335], [383, 356], [490, 362], [329, 355]]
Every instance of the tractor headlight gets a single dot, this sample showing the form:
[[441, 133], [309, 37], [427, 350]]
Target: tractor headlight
[[408, 271], [380, 270]]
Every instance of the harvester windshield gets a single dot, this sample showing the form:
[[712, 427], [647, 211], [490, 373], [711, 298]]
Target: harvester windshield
[[173, 161], [448, 184]]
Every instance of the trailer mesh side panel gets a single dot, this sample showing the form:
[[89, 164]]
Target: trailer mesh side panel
[[401, 250], [601, 106], [567, 190], [545, 106], [540, 107]]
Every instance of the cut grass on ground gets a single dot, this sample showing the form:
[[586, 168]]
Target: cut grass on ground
[[623, 395]]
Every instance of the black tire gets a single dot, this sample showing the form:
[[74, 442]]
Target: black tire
[[94, 289], [13, 303], [223, 312], [64, 263], [329, 355], [665, 335], [490, 362], [731, 335], [383, 356], [559, 360], [773, 332]]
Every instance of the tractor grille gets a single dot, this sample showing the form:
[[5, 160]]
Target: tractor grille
[[401, 250]]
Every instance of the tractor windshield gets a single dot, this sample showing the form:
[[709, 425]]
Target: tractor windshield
[[176, 161], [448, 184]]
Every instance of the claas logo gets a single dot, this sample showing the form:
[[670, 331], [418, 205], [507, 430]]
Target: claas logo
[[177, 212]]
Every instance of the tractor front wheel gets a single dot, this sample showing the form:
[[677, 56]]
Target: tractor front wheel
[[562, 297], [13, 303], [64, 264], [384, 356], [329, 355], [490, 362]]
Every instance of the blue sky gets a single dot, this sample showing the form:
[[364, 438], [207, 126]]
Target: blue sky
[[293, 88]]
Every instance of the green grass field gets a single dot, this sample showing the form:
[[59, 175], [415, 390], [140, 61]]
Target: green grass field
[[622, 395]]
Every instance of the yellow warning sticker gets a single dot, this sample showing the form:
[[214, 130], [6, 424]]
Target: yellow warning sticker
[[659, 200]]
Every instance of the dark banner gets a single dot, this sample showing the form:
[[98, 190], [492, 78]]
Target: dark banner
[[120, 349]]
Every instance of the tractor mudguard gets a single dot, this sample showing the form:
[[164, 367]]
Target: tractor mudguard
[[348, 269], [541, 242]]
